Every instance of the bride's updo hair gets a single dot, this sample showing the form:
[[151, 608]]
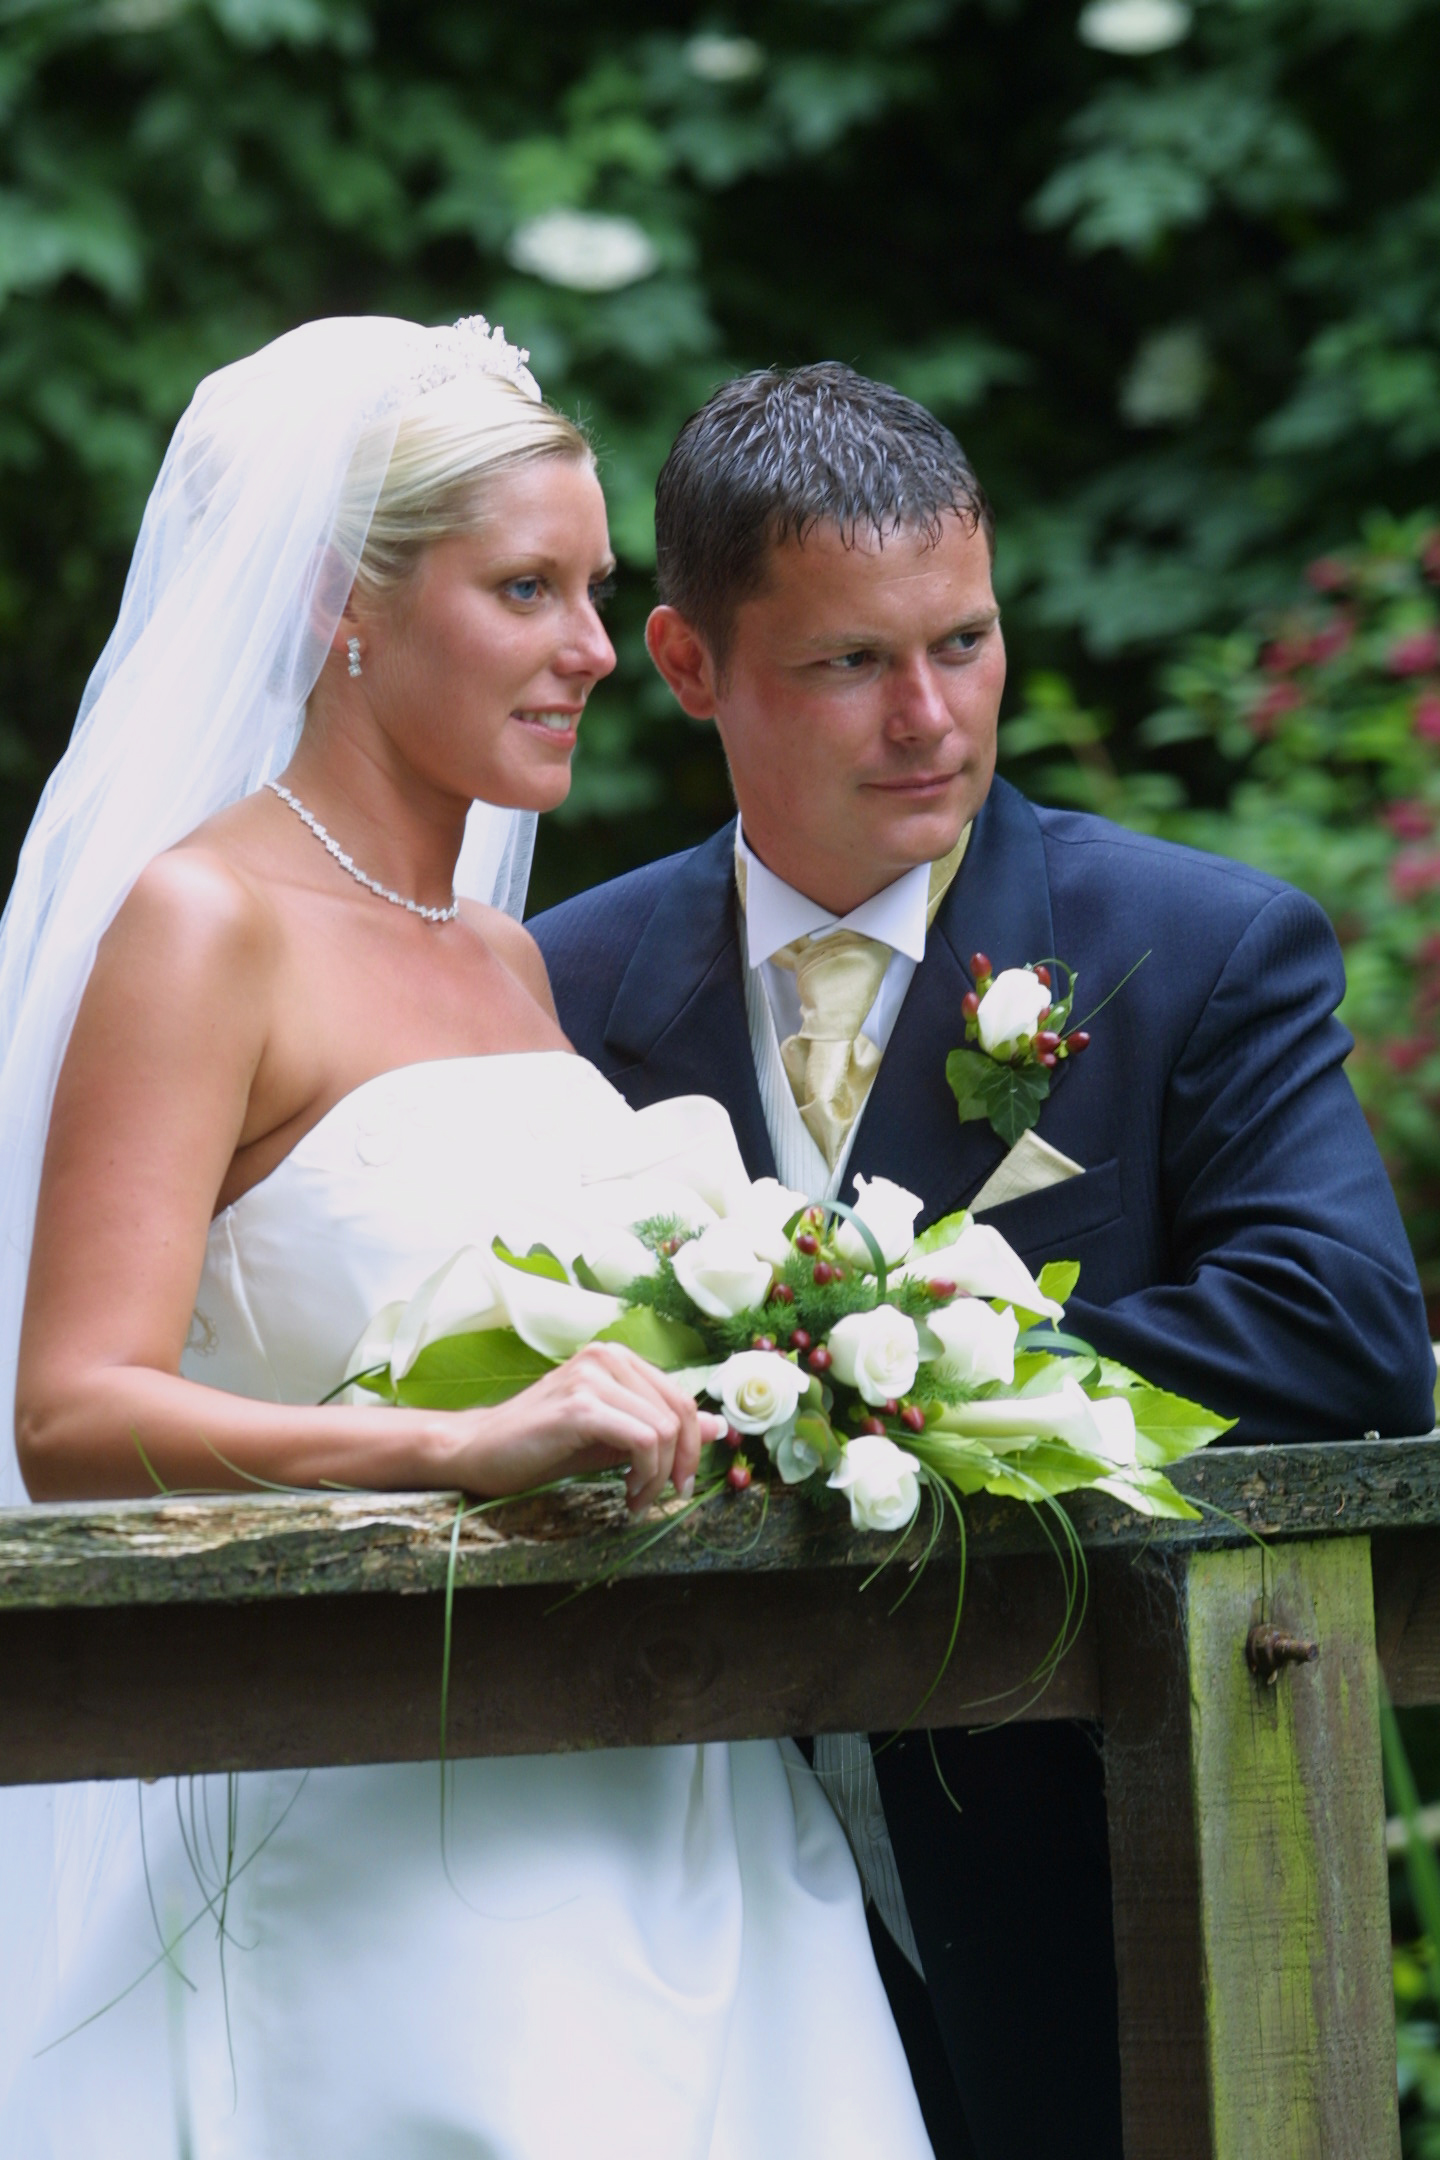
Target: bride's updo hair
[[452, 442]]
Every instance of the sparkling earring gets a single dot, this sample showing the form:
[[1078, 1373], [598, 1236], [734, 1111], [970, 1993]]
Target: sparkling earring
[[352, 647]]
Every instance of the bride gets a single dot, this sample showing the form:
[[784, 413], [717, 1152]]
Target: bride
[[264, 1071]]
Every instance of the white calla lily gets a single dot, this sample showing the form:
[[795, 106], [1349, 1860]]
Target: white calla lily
[[555, 1318], [888, 1212], [616, 1258], [458, 1299], [977, 1344], [688, 1141], [1010, 1422], [981, 1262]]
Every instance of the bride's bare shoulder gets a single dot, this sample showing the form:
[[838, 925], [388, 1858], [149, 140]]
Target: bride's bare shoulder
[[200, 905], [514, 947]]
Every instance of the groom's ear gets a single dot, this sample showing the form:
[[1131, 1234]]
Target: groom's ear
[[683, 658]]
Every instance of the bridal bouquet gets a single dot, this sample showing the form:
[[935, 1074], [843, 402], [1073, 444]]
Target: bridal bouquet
[[848, 1356]]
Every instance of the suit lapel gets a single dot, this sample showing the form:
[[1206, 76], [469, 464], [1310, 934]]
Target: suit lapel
[[678, 1025], [999, 904]]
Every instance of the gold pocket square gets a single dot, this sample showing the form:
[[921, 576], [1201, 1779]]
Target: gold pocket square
[[1031, 1166]]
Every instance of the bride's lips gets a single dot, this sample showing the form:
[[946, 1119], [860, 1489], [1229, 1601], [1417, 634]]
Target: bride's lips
[[557, 725]]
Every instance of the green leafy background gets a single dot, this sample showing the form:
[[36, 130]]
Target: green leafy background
[[1183, 308]]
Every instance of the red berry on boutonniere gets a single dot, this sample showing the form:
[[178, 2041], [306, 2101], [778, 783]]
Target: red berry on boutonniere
[[1077, 1042]]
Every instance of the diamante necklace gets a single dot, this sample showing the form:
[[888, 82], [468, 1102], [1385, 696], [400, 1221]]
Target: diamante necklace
[[333, 847]]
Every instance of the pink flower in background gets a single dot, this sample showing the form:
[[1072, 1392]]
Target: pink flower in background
[[1427, 716], [1283, 698], [1284, 654], [1331, 639], [1403, 1057], [1409, 820], [1415, 654], [1414, 874], [1430, 558], [1328, 574]]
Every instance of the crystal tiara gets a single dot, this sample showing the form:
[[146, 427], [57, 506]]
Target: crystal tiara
[[471, 347]]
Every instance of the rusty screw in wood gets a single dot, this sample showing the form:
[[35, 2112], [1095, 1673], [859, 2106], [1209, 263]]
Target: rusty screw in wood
[[1267, 1648]]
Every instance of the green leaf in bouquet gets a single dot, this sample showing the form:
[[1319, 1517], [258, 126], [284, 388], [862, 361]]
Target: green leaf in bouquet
[[1167, 1426], [940, 1234], [538, 1261], [669, 1344], [470, 1372], [1009, 1096], [1050, 1465], [1117, 1379], [1149, 1492], [1057, 1279], [814, 1431]]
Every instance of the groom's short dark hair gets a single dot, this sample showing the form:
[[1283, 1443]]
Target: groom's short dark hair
[[778, 452]]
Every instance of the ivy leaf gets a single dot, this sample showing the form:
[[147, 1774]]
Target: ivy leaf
[[666, 1343], [1010, 1097], [470, 1372]]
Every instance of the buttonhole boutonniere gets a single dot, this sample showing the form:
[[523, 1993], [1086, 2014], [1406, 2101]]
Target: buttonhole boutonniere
[[1017, 1033]]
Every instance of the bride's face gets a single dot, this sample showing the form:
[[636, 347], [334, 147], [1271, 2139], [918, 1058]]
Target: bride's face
[[478, 669]]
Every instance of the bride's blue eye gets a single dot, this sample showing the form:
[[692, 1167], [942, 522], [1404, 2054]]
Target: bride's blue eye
[[523, 588]]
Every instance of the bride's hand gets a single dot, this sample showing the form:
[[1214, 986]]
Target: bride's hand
[[603, 1407]]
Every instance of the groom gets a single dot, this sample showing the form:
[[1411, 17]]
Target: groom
[[824, 566]]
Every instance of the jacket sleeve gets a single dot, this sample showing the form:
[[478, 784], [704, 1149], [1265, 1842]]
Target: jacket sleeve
[[1293, 1301]]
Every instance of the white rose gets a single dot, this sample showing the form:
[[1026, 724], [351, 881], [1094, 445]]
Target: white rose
[[888, 1213], [616, 1258], [881, 1481], [761, 1216], [1010, 1010], [757, 1389], [976, 1343], [981, 1262], [877, 1352], [721, 1273]]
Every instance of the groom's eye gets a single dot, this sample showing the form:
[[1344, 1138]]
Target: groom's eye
[[848, 662]]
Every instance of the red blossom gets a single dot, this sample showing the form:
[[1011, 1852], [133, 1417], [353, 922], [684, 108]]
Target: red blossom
[[1284, 654], [1328, 574], [1430, 557], [1428, 950], [1331, 639], [1403, 1057], [1409, 820], [1415, 654], [1281, 699], [1414, 874], [1427, 716]]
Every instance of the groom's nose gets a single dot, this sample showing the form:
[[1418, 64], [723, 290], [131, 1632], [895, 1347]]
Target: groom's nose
[[916, 708]]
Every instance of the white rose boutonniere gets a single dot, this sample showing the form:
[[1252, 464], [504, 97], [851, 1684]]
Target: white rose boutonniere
[[1017, 1033]]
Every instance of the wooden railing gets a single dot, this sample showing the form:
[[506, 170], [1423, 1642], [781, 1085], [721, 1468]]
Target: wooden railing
[[1246, 1811]]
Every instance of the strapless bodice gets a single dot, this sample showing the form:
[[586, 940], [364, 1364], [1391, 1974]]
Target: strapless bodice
[[403, 1172]]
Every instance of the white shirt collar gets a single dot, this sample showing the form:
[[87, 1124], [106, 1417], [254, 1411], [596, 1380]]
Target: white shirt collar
[[775, 913]]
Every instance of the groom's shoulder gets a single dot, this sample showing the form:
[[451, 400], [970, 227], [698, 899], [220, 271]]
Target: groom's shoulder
[[1091, 862]]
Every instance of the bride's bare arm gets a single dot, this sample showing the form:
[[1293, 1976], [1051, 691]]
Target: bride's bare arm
[[162, 1083]]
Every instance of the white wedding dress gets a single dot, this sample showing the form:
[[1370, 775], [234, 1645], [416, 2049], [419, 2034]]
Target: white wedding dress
[[658, 1953]]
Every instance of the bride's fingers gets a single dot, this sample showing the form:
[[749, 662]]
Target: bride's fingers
[[693, 1427]]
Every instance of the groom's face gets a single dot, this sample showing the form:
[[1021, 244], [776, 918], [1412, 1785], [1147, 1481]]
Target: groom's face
[[859, 703]]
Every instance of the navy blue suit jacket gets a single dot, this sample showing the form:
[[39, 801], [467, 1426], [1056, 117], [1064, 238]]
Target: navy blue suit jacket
[[1237, 1235]]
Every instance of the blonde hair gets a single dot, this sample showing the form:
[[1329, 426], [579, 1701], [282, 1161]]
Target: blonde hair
[[451, 442]]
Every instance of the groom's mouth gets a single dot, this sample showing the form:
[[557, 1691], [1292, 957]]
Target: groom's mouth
[[917, 787], [558, 724]]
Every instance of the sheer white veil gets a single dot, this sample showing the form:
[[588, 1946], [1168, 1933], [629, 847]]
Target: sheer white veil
[[248, 547], [249, 544]]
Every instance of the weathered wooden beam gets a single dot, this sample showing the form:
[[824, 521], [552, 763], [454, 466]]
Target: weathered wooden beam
[[156, 1689], [239, 1548]]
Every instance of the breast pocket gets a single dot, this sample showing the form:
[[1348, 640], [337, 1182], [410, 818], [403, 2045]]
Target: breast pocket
[[1048, 1225]]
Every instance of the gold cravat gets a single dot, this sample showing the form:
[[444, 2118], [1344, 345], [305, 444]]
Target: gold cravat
[[831, 1064]]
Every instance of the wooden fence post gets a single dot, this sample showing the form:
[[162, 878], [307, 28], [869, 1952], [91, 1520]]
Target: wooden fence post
[[1289, 1818]]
